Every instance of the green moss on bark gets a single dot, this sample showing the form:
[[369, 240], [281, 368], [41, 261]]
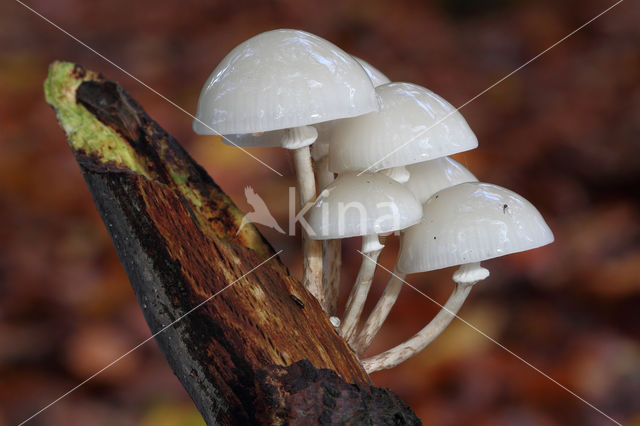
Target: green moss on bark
[[84, 132]]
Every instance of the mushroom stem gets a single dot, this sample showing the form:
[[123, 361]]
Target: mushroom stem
[[371, 248], [298, 140], [465, 277], [379, 313], [331, 249]]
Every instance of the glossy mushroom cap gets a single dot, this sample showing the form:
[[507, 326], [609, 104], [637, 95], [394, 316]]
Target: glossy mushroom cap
[[471, 222], [362, 205], [432, 176], [412, 125], [377, 78], [282, 79], [321, 146]]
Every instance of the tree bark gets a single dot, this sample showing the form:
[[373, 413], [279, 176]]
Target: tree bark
[[258, 353]]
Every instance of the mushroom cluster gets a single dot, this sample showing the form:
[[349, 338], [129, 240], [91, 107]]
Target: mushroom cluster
[[389, 145]]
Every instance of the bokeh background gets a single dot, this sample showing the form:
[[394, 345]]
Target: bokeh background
[[564, 132]]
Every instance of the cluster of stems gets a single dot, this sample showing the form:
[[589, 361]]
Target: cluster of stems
[[322, 271]]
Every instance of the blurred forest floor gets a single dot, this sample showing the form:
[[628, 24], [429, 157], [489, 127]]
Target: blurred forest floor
[[564, 132]]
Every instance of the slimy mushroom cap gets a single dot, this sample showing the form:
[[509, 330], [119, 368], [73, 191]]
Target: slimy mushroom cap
[[282, 79], [468, 223], [412, 125], [368, 204]]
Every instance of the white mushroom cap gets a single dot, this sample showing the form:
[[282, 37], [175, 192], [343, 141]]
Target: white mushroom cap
[[362, 205], [471, 222], [282, 79], [412, 125], [377, 78], [429, 177], [321, 146]]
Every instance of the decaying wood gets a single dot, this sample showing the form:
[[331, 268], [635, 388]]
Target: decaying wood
[[301, 392], [331, 269], [176, 234]]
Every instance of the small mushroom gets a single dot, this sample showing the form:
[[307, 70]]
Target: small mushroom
[[365, 205], [412, 125], [462, 225], [426, 179], [282, 79], [285, 80]]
